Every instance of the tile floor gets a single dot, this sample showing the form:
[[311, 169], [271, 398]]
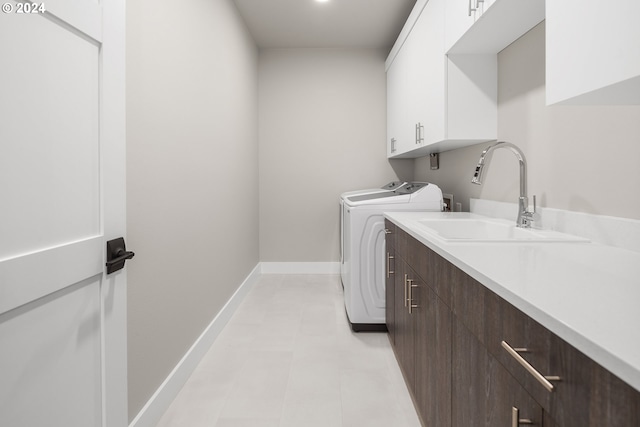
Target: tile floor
[[288, 358]]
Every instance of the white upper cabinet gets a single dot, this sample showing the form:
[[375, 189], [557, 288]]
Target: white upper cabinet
[[593, 52], [434, 102], [405, 97], [399, 92], [460, 16], [492, 26]]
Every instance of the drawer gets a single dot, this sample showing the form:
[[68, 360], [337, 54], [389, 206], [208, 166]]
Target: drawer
[[429, 266], [586, 394], [468, 300]]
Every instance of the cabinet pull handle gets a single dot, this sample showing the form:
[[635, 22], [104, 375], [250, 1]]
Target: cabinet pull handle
[[419, 133], [470, 8], [393, 145], [389, 258], [515, 418], [387, 231], [405, 290], [542, 379], [411, 305]]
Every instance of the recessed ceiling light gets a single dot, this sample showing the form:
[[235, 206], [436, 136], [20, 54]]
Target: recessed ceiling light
[[322, 1]]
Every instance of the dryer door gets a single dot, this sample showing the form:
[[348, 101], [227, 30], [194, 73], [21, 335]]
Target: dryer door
[[372, 269]]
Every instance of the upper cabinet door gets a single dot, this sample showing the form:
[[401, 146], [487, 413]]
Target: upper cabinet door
[[430, 105], [396, 91], [593, 52], [400, 92], [415, 84], [460, 16], [492, 26]]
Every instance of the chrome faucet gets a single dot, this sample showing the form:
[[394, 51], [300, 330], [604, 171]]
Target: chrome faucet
[[525, 217]]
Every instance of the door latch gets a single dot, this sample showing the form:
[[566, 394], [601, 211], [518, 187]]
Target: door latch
[[117, 254]]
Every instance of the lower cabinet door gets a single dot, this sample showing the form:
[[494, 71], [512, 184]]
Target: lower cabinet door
[[433, 357], [588, 394], [547, 421], [404, 325], [390, 297], [389, 290], [484, 393]]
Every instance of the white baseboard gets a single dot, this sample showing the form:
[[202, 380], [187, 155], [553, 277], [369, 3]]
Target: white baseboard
[[150, 414], [300, 267]]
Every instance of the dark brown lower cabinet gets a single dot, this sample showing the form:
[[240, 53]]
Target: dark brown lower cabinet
[[433, 356], [405, 325], [390, 309], [484, 394], [447, 331], [422, 344], [419, 325]]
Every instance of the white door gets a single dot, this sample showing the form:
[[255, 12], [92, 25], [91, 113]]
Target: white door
[[62, 196]]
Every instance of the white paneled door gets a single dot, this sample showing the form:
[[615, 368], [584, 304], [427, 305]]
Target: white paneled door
[[62, 196]]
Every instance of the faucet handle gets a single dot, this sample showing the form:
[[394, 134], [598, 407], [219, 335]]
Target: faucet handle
[[528, 217], [534, 204]]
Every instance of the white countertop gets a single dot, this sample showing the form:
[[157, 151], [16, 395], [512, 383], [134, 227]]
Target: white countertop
[[586, 293]]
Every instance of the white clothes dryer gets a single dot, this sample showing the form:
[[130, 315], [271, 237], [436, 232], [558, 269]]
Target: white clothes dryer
[[362, 266]]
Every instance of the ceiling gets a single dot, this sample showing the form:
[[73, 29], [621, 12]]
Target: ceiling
[[333, 24]]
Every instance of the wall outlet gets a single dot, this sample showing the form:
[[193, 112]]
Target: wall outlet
[[447, 202], [434, 161]]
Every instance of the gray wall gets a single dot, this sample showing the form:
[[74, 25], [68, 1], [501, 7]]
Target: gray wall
[[322, 130], [580, 158], [191, 144]]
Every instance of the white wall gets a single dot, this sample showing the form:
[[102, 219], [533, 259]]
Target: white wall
[[322, 127], [192, 169], [581, 158]]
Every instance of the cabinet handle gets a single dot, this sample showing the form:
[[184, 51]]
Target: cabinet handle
[[393, 145], [470, 8], [389, 258], [515, 418], [410, 303], [419, 133], [542, 379], [405, 290], [387, 231]]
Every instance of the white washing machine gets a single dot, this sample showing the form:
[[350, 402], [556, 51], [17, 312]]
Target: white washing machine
[[362, 267], [387, 188]]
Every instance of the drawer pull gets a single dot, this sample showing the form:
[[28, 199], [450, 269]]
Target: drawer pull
[[542, 379], [389, 258], [516, 421], [410, 303], [405, 290]]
